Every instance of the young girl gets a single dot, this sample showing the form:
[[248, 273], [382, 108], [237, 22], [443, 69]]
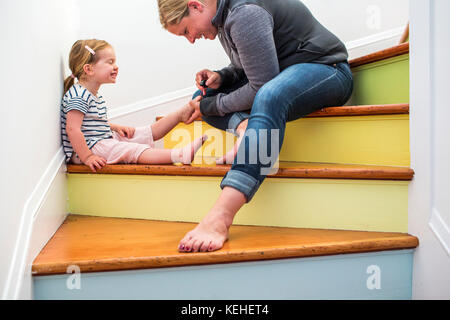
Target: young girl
[[87, 135]]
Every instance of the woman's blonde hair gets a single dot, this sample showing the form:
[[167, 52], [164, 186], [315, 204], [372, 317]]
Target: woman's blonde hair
[[172, 11], [80, 55]]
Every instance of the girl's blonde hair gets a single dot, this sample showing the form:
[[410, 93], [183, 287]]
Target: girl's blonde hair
[[79, 56], [172, 11]]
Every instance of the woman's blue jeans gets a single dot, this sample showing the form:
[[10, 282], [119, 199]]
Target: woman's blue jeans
[[296, 92]]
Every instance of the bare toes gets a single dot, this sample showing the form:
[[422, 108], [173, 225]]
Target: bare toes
[[196, 246], [205, 246]]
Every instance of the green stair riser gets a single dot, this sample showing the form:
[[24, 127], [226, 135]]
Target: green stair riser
[[367, 205], [379, 275], [382, 82]]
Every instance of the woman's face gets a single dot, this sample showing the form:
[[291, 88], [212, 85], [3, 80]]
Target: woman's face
[[197, 24]]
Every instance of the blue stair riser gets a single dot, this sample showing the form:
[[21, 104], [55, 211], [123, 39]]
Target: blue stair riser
[[379, 275]]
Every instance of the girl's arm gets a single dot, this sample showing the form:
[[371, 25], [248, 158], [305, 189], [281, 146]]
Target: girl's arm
[[76, 137], [186, 114]]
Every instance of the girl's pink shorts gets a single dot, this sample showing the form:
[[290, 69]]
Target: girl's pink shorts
[[120, 149]]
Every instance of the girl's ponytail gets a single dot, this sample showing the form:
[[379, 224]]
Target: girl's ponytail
[[70, 80]]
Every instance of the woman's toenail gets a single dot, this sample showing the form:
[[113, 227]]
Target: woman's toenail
[[181, 246]]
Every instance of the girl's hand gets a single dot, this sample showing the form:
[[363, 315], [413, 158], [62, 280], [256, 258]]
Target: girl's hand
[[212, 78], [93, 161], [124, 131], [190, 111]]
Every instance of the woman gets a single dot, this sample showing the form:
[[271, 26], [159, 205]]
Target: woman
[[284, 65]]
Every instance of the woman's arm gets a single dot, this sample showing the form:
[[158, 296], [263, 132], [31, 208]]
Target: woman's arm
[[251, 29]]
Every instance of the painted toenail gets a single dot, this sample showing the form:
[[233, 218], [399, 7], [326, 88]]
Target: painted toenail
[[181, 246]]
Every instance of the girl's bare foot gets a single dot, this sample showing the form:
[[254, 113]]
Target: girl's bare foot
[[186, 155], [228, 158]]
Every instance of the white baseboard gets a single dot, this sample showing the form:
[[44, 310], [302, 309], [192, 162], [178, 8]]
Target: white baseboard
[[159, 102], [373, 43], [440, 229], [43, 213]]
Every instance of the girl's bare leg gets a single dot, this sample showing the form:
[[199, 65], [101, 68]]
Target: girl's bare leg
[[230, 155], [211, 233], [165, 156]]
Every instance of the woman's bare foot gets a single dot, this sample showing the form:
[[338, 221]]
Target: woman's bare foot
[[212, 232], [209, 235], [228, 158], [186, 155]]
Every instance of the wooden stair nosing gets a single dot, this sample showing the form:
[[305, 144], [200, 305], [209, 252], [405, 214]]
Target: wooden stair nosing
[[380, 55], [126, 244], [366, 110], [316, 171]]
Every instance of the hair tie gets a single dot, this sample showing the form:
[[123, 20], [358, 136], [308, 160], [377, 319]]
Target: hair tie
[[90, 50], [72, 76]]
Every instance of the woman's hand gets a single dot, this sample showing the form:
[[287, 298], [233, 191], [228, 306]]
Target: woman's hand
[[123, 131], [212, 78], [93, 161], [191, 111]]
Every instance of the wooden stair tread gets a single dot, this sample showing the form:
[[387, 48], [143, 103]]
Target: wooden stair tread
[[363, 110], [286, 170], [106, 244], [381, 55]]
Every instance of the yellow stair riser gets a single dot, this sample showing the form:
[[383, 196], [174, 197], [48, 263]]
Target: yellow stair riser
[[367, 205], [371, 140]]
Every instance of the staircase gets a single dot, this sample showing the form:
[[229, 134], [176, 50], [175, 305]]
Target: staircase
[[335, 226]]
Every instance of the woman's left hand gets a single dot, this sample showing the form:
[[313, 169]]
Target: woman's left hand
[[195, 106]]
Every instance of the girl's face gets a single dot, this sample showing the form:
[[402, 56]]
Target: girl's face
[[105, 70], [197, 24]]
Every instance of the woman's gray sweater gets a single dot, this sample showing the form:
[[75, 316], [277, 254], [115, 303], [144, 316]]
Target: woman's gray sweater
[[262, 38]]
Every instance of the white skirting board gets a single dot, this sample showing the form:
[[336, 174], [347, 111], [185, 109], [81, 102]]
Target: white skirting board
[[43, 213]]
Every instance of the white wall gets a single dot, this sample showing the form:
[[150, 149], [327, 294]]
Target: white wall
[[429, 202], [33, 36], [351, 20]]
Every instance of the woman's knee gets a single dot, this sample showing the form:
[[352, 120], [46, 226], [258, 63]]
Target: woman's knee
[[270, 100]]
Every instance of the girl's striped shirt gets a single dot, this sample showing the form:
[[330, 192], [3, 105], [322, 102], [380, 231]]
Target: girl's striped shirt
[[95, 126]]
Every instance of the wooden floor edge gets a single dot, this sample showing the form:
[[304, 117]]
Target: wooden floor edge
[[381, 55], [362, 172], [219, 257]]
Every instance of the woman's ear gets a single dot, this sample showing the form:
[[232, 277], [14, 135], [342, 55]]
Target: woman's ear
[[197, 5]]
